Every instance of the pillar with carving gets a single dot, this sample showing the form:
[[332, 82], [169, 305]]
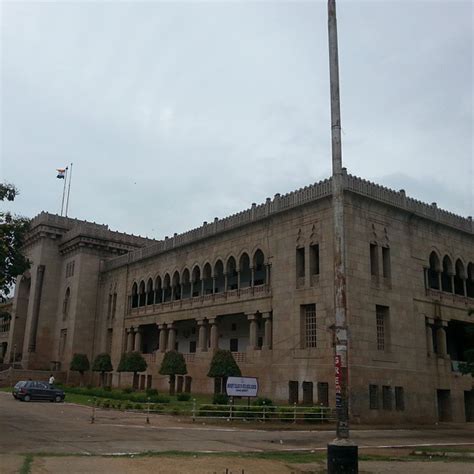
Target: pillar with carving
[[171, 337], [163, 338], [252, 331], [214, 334], [202, 335]]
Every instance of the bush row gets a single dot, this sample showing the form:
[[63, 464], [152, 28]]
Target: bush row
[[116, 395]]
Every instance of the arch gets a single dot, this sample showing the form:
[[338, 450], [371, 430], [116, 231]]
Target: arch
[[446, 280], [134, 295], [470, 280], [434, 270], [150, 292], [245, 272], [176, 286], [219, 279], [259, 268], [196, 281], [67, 296], [141, 294], [207, 280], [459, 277], [232, 274], [186, 283], [158, 290], [166, 288]]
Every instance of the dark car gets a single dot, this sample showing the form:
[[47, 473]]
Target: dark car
[[33, 390]]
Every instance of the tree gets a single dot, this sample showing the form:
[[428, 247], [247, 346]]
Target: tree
[[102, 364], [132, 362], [173, 364], [80, 363], [223, 365], [13, 229]]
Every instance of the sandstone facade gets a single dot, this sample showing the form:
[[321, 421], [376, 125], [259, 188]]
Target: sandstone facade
[[260, 283]]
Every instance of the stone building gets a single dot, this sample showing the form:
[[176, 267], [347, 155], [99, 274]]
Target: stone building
[[260, 283]]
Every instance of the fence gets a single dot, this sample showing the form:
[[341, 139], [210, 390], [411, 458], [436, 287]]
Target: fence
[[264, 413]]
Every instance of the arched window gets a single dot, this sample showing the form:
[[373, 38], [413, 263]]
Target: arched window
[[459, 278], [186, 284], [433, 271], [176, 286], [245, 273], [446, 281], [167, 288], [150, 294], [66, 304], [207, 279], [134, 295], [219, 277], [158, 290], [232, 275], [141, 294], [259, 268], [470, 280], [196, 281]]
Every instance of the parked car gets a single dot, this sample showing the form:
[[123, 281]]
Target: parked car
[[27, 390]]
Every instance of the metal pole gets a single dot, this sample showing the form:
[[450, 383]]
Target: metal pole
[[68, 191], [342, 453], [64, 190]]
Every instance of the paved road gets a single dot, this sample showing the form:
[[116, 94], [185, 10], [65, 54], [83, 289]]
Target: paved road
[[66, 428]]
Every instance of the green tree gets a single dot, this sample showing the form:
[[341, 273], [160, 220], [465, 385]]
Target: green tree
[[80, 363], [173, 364], [223, 365], [12, 234], [132, 362], [102, 364]]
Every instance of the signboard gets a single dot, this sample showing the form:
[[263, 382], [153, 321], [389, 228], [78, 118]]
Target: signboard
[[242, 386], [337, 364]]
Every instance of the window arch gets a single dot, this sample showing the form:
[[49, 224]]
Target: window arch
[[67, 296], [135, 295], [167, 288], [446, 281], [259, 268], [232, 275], [459, 277], [158, 290], [433, 272], [141, 294], [176, 286], [196, 281], [150, 293], [219, 277], [207, 279], [186, 284], [245, 272]]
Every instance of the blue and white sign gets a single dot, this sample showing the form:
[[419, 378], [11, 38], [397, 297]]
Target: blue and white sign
[[242, 387]]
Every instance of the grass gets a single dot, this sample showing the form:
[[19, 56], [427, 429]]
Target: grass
[[26, 466]]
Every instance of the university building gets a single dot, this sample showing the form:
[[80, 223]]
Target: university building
[[261, 284]]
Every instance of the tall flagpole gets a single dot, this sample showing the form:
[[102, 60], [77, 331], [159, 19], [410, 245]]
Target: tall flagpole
[[342, 453], [68, 190], [64, 191]]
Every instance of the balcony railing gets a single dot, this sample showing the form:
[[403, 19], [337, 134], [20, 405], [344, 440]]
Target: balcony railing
[[240, 357], [205, 300]]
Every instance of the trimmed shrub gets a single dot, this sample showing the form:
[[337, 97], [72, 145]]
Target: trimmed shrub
[[220, 399], [151, 392], [127, 390], [138, 406], [183, 397], [260, 401]]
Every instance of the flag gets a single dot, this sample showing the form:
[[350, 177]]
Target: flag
[[61, 173]]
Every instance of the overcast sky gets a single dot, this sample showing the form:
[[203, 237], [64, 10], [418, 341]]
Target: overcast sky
[[175, 113]]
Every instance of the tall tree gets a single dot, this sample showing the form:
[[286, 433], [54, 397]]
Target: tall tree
[[173, 364], [12, 233], [132, 362], [80, 363], [223, 365], [102, 364]]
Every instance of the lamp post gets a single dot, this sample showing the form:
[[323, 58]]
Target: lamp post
[[342, 452]]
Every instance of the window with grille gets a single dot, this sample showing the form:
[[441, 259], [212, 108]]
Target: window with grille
[[309, 320], [399, 399], [386, 397], [373, 397], [382, 313]]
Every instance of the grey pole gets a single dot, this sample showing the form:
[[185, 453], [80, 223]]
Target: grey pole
[[342, 453]]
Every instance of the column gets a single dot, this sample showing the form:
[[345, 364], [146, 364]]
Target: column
[[162, 295], [171, 337], [192, 289], [441, 339], [267, 274], [464, 287], [267, 340], [202, 287], [429, 338], [238, 279], [162, 328], [252, 276], [226, 282], [172, 293], [138, 340], [252, 331], [451, 277], [439, 281], [202, 335], [214, 334], [129, 340]]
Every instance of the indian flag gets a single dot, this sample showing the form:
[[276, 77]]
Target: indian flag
[[61, 173]]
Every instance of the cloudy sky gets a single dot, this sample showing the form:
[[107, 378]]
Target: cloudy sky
[[176, 112]]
